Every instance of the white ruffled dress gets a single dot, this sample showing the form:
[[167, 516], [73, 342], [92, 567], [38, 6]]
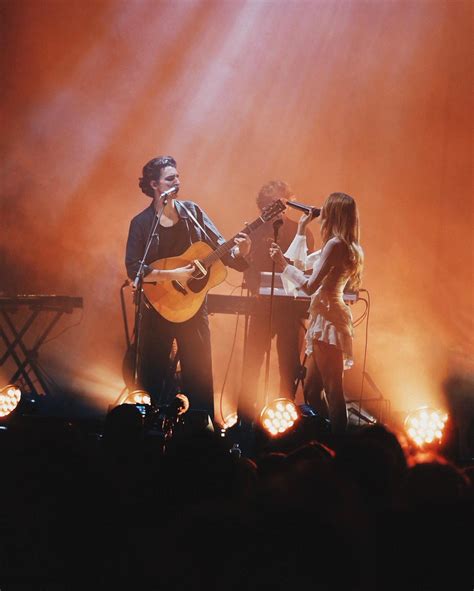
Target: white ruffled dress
[[330, 318]]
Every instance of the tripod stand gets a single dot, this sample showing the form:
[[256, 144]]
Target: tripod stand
[[272, 321], [131, 367], [276, 226]]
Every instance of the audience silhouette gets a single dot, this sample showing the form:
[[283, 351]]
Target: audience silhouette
[[123, 510]]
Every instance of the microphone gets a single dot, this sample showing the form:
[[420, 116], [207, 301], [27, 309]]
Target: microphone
[[315, 211], [174, 189]]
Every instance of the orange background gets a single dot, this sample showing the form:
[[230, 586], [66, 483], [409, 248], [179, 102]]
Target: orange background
[[372, 98]]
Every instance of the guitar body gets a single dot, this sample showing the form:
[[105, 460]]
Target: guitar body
[[179, 302], [169, 299]]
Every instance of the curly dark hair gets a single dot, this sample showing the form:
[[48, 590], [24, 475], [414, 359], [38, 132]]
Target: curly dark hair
[[152, 171], [272, 191]]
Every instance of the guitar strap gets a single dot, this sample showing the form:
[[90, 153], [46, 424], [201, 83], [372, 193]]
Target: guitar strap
[[193, 217]]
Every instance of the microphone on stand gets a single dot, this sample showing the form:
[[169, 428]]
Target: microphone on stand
[[174, 189], [164, 196], [277, 224], [315, 211]]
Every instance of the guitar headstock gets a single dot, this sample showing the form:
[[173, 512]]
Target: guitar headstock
[[272, 210]]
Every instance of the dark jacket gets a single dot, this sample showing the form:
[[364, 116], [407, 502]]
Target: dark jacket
[[141, 225]]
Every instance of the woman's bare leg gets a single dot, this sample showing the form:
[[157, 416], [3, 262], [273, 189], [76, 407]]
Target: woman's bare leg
[[330, 363]]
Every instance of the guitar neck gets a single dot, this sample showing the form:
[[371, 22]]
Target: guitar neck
[[227, 246]]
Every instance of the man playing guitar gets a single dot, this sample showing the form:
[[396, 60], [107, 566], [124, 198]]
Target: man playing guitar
[[166, 242]]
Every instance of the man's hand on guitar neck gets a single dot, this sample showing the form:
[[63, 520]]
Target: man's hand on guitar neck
[[243, 244]]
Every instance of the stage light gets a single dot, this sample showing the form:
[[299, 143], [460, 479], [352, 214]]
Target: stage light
[[279, 416], [283, 426], [10, 397], [230, 421], [138, 397], [425, 427]]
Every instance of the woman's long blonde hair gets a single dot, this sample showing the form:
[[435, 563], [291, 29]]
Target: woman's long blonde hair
[[340, 219]]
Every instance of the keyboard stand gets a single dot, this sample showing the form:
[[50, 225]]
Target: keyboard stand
[[14, 329]]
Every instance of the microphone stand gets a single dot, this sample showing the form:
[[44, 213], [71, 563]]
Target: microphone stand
[[276, 226], [138, 285]]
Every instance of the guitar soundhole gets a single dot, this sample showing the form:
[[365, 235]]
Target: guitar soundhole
[[197, 284]]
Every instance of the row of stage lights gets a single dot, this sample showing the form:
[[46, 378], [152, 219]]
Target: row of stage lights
[[424, 427]]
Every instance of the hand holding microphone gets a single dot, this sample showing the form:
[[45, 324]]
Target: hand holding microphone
[[307, 209], [304, 222], [309, 213]]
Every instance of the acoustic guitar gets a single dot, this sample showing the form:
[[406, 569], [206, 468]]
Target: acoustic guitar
[[177, 301]]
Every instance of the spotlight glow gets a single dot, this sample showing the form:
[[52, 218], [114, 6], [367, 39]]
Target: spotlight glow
[[425, 426], [10, 397], [230, 421], [279, 416], [138, 397]]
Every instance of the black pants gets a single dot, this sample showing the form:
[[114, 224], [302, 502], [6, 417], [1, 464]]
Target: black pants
[[289, 334], [156, 370]]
